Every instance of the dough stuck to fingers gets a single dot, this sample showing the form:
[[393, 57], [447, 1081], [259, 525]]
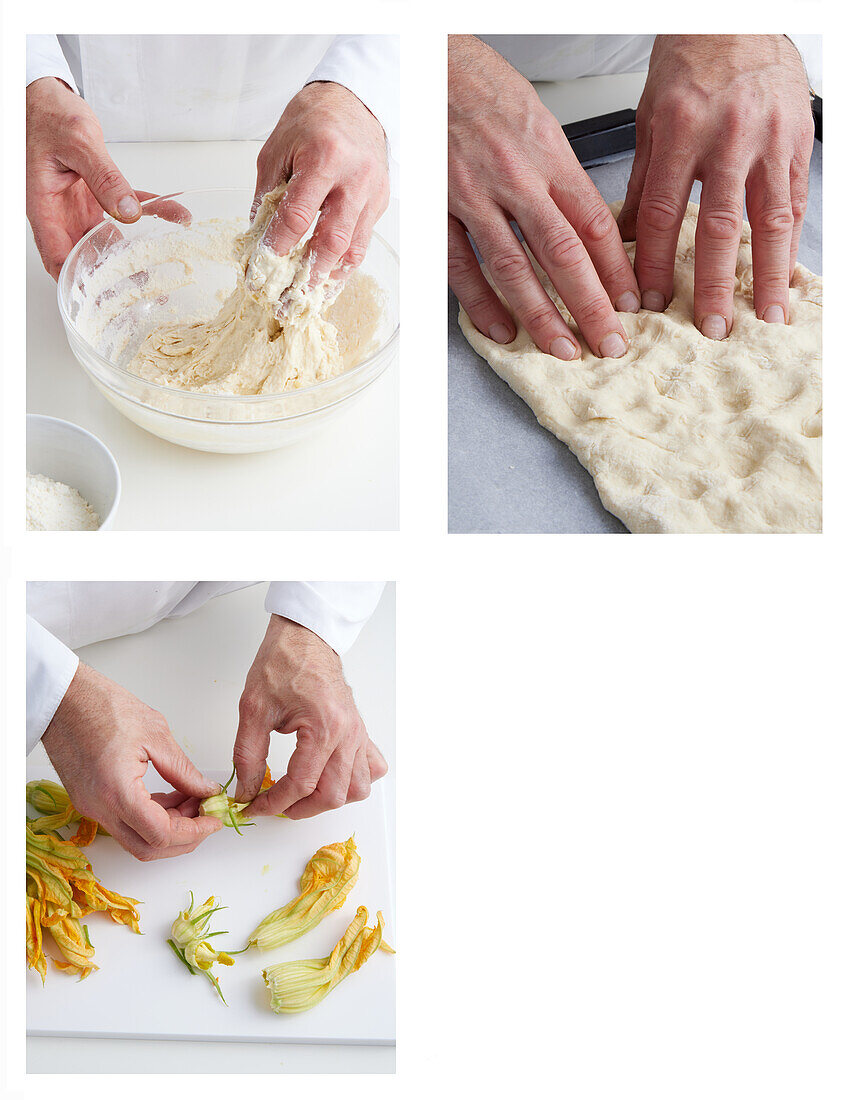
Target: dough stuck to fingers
[[686, 434], [258, 344]]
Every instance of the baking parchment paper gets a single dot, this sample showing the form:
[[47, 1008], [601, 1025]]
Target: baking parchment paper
[[506, 472]]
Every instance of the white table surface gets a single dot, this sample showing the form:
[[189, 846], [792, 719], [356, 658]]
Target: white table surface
[[213, 649], [343, 479]]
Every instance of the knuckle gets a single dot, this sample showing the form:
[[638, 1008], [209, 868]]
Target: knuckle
[[356, 255], [660, 213], [303, 788], [334, 240], [597, 225], [677, 115], [296, 216], [508, 266], [537, 318], [562, 249], [107, 178], [777, 220], [593, 311], [81, 131], [722, 225]]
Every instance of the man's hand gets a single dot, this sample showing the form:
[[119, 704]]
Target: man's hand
[[732, 111], [100, 741], [509, 158], [333, 152], [71, 179], [296, 686]]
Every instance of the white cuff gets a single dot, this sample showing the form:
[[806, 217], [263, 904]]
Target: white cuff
[[335, 610], [368, 65], [51, 667], [45, 58]]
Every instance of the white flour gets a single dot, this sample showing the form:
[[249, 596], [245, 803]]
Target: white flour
[[54, 506]]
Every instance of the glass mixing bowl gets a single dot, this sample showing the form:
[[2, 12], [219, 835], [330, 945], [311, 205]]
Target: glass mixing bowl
[[117, 284]]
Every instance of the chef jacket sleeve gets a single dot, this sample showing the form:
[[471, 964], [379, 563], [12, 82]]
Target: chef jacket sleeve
[[45, 58], [368, 65], [335, 610], [50, 669]]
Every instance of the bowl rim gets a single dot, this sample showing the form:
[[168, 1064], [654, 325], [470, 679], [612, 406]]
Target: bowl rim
[[223, 399], [99, 443]]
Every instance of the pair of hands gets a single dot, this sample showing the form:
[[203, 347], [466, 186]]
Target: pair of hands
[[102, 738], [326, 143], [730, 111]]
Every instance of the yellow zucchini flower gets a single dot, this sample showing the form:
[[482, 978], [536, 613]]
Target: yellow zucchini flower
[[297, 986], [325, 884], [190, 935], [52, 800]]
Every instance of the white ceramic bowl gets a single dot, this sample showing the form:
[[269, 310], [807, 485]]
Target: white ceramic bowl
[[206, 422], [65, 452]]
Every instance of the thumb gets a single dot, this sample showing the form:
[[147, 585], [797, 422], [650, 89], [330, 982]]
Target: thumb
[[105, 182], [176, 768], [250, 749]]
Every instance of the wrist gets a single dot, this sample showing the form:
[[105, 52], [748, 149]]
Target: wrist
[[71, 707]]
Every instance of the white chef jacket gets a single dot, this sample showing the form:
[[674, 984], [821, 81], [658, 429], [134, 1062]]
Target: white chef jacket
[[64, 615], [568, 56], [160, 87]]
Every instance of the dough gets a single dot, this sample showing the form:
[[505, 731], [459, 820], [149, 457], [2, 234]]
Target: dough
[[254, 345], [685, 434]]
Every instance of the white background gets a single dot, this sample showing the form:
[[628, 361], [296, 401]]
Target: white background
[[623, 763]]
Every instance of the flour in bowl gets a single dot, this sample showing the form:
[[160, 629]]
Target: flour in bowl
[[55, 506]]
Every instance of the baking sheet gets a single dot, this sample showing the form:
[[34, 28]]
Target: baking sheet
[[506, 472]]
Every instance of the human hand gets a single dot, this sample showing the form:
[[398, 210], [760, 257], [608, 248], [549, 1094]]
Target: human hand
[[296, 685], [732, 111], [71, 179], [100, 741], [333, 152], [509, 158]]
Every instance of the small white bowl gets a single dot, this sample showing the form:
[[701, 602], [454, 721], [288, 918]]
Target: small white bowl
[[65, 452]]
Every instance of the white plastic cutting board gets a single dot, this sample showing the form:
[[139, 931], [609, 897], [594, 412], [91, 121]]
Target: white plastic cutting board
[[192, 670], [142, 990]]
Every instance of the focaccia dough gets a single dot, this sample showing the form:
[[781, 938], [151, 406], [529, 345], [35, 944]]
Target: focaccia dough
[[252, 346], [685, 434]]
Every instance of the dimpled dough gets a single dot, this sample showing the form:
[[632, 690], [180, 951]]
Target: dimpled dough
[[685, 434]]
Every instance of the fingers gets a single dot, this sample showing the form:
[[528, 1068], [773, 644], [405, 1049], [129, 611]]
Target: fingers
[[115, 195], [304, 771], [53, 243], [296, 210], [717, 239], [560, 252], [772, 225], [150, 831], [597, 229], [251, 748], [356, 252], [166, 208], [333, 234], [360, 780], [332, 789], [176, 768], [377, 763], [628, 217], [473, 291], [660, 215], [799, 183], [513, 273]]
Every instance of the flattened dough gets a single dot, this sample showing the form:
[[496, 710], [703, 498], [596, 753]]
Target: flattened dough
[[684, 434]]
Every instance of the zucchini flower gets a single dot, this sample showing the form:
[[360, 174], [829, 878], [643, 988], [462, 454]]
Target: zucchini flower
[[227, 809], [325, 884], [61, 888], [52, 800], [190, 935], [72, 939], [297, 986]]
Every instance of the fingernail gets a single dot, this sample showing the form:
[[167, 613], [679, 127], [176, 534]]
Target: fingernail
[[500, 334], [612, 346], [774, 315], [562, 348], [714, 327], [653, 299], [128, 207], [628, 303]]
